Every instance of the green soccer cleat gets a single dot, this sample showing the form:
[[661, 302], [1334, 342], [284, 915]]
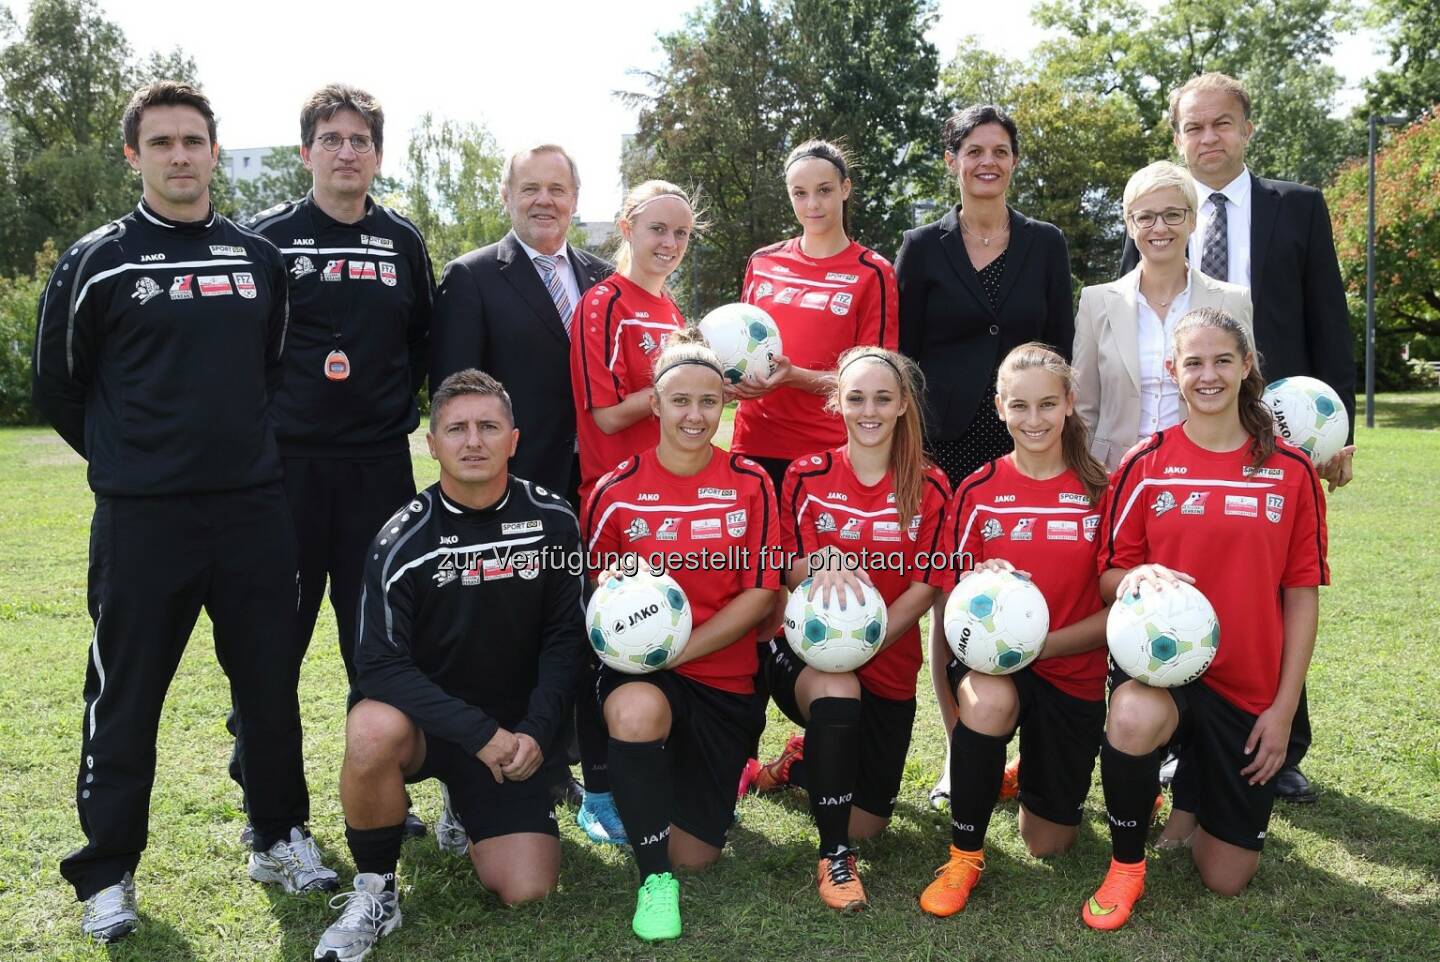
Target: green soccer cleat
[[657, 908]]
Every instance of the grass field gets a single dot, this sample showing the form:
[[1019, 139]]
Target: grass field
[[1354, 877]]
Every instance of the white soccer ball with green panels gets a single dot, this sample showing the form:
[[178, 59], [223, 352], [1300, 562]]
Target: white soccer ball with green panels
[[1163, 637], [828, 638], [744, 338], [996, 621], [639, 623], [1310, 415]]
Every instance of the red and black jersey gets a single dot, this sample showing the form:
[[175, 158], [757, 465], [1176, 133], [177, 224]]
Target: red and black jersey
[[1050, 529], [825, 504], [823, 307], [617, 331], [716, 533], [1243, 534]]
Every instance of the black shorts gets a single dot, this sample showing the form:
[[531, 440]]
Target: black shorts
[[885, 726], [1214, 733], [487, 808], [711, 732], [776, 468], [1060, 739]]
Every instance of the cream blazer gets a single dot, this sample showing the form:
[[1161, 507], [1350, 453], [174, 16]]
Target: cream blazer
[[1107, 356]]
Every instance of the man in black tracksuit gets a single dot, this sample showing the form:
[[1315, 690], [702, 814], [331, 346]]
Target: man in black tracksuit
[[157, 352], [471, 647]]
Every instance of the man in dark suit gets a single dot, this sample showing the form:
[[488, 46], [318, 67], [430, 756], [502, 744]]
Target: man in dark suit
[[505, 309], [1274, 237]]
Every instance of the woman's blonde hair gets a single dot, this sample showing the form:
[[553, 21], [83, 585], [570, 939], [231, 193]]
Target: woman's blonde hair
[[1161, 175], [642, 194], [907, 447]]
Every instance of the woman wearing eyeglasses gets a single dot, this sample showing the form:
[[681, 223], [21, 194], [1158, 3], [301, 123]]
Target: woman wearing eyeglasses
[[1122, 328]]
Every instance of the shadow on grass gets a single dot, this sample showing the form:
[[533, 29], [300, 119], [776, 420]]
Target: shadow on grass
[[1370, 832], [1416, 410], [153, 939]]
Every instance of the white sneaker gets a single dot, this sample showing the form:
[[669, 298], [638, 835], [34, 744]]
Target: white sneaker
[[366, 914], [110, 914], [450, 835], [940, 794], [294, 864]]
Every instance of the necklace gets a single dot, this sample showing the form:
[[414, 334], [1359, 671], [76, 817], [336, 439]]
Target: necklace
[[983, 240]]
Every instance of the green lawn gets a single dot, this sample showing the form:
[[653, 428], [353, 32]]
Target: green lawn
[[1354, 877]]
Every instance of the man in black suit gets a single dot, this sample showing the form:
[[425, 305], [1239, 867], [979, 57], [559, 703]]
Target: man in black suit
[[1274, 237], [505, 309]]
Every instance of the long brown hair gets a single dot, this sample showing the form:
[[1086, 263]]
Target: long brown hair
[[1074, 438], [1255, 416], [907, 444]]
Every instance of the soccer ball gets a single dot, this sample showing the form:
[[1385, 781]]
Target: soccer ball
[[640, 623], [828, 639], [1309, 414], [1163, 637], [744, 338], [996, 622]]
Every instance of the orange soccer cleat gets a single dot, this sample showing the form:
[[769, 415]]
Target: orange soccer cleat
[[954, 881], [775, 775], [1010, 783], [1111, 905], [839, 882]]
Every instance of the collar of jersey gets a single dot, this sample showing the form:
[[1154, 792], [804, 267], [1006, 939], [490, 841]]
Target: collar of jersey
[[181, 226], [324, 220], [474, 514]]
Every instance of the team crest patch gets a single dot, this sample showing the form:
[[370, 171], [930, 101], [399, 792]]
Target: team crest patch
[[180, 287], [992, 529], [786, 295], [735, 523], [851, 531], [1024, 530], [647, 343], [301, 266], [145, 290], [1165, 501], [443, 576], [245, 285], [825, 523], [1195, 503], [1274, 506], [840, 303], [526, 565], [388, 276], [334, 271], [764, 289], [914, 530], [669, 530], [638, 529], [1091, 525]]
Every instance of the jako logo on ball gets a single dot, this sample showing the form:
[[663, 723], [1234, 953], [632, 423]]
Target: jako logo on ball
[[638, 624], [996, 622]]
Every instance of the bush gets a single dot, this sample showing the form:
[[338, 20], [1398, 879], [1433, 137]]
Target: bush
[[19, 301]]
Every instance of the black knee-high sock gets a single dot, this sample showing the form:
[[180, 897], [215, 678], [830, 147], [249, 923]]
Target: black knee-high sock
[[1130, 782], [977, 767], [592, 738], [640, 778], [832, 754], [376, 850]]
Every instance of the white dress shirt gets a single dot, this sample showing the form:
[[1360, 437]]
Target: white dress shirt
[[1159, 396], [1237, 226], [566, 269]]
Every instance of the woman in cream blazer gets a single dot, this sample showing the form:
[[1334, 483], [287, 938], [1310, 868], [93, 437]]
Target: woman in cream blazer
[[1122, 329]]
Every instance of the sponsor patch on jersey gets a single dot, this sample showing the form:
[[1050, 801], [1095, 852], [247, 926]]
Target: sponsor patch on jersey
[[840, 303], [1242, 505], [1024, 530], [443, 576], [886, 531], [735, 523], [851, 531], [704, 529], [1195, 502], [301, 266], [180, 287], [992, 529], [669, 530], [145, 289], [334, 271], [1164, 501], [786, 295], [764, 289], [363, 271], [825, 523], [388, 275], [227, 250], [722, 494], [493, 569], [1071, 497], [1062, 530], [526, 565], [815, 300], [245, 284], [638, 529], [521, 527], [1272, 474], [843, 278], [1274, 507], [370, 240], [214, 285], [1091, 525], [647, 343]]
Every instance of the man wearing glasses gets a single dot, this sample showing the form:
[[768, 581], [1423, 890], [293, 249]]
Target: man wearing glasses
[[361, 291]]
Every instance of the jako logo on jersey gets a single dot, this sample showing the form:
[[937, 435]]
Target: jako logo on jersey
[[334, 271], [362, 270], [148, 258], [214, 285], [369, 240], [825, 523], [388, 276], [836, 496], [702, 529], [1195, 503], [1242, 505], [886, 531], [520, 527], [669, 530], [1024, 529], [303, 242], [449, 539], [1176, 469], [647, 496], [1062, 531], [301, 266], [840, 303], [851, 531], [992, 529], [1274, 505], [1070, 497], [735, 523], [638, 529], [843, 278], [145, 289], [1091, 525], [226, 250], [833, 800], [245, 284], [1274, 474], [1004, 498], [1165, 501], [720, 494], [180, 287]]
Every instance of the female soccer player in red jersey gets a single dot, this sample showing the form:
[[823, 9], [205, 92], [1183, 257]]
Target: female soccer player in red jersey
[[1220, 502], [679, 737], [1037, 511], [875, 503], [826, 293]]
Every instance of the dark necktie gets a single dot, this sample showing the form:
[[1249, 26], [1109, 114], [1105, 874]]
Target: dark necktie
[[549, 268], [1215, 258]]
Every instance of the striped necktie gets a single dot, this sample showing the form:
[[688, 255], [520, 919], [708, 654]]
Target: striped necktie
[[549, 268], [1215, 256]]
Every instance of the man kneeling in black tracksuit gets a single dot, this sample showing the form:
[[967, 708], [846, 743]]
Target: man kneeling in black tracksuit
[[471, 643]]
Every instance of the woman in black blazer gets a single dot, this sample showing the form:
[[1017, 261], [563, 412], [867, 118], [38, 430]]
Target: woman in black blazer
[[979, 281]]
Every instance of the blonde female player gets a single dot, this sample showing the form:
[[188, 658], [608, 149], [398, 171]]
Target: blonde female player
[[1037, 511], [870, 510], [679, 737], [618, 327], [1220, 502]]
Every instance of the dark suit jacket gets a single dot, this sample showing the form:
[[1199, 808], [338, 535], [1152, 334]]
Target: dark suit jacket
[[948, 326], [492, 312], [1302, 323]]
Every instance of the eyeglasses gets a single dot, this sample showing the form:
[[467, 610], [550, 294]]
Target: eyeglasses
[[1145, 219], [359, 142]]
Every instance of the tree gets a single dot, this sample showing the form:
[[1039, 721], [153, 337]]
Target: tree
[[19, 297], [284, 178], [1411, 86], [452, 188], [1407, 242]]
